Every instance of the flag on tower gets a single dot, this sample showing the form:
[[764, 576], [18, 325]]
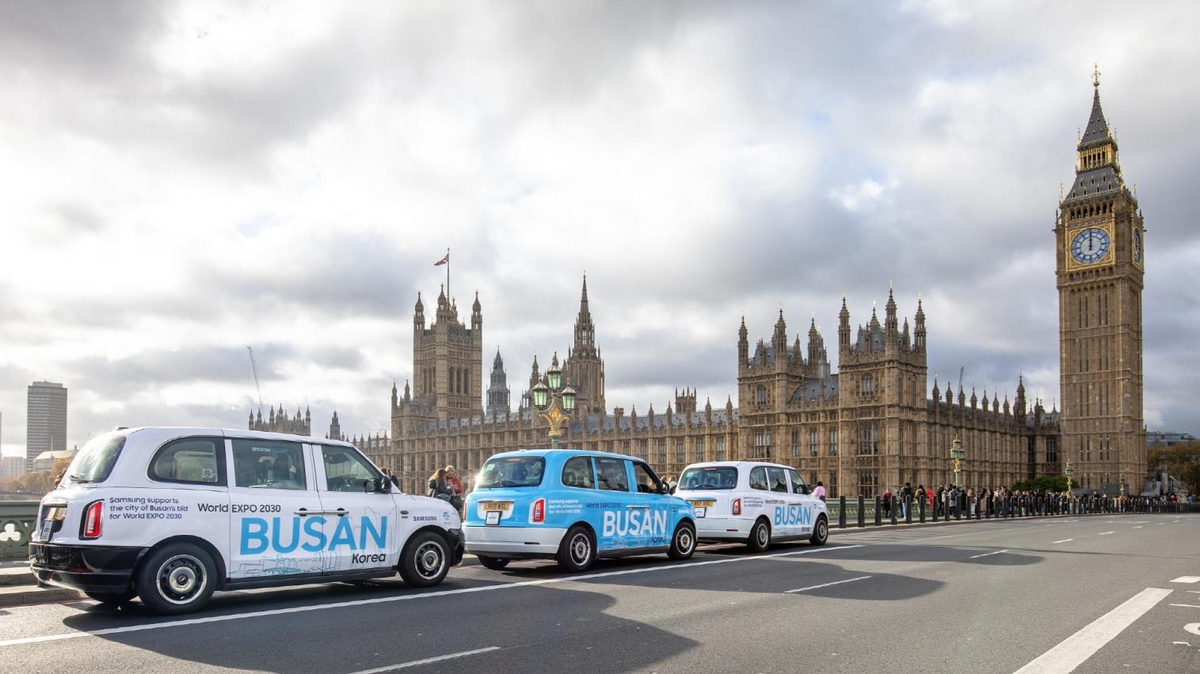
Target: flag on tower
[[445, 260]]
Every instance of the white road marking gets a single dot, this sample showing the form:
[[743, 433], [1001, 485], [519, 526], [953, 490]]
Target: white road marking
[[1065, 540], [1186, 605], [987, 554], [407, 597], [1106, 533], [426, 661], [1187, 579], [1078, 647], [817, 587], [1194, 628], [1138, 527]]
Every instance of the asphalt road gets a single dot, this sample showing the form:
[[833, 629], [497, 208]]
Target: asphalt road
[[1086, 594]]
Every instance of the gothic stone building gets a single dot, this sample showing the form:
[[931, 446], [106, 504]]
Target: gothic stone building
[[869, 426]]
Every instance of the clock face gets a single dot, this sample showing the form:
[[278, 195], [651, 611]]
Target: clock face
[[1137, 245], [1090, 245]]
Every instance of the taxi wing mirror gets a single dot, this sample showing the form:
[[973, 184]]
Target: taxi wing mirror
[[382, 485]]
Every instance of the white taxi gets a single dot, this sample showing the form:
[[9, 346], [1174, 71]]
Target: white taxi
[[755, 502], [172, 514]]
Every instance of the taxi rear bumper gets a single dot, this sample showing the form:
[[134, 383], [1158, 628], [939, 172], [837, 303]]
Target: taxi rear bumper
[[87, 568], [513, 542], [723, 528]]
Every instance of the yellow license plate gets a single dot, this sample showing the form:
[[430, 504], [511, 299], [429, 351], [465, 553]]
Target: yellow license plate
[[703, 504], [494, 507]]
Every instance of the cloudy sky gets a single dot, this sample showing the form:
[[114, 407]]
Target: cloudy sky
[[181, 181]]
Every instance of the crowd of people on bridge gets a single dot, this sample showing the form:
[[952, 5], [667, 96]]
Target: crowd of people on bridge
[[953, 502]]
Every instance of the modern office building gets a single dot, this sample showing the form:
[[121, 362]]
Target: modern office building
[[46, 420]]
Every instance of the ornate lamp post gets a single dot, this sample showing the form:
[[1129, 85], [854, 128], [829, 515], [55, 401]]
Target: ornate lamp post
[[1069, 471], [957, 454], [1122, 481], [554, 402]]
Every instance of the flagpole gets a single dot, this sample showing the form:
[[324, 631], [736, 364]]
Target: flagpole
[[448, 295]]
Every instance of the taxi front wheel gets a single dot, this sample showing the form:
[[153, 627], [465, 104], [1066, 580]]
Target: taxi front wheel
[[577, 551], [683, 542], [176, 578], [820, 532], [425, 560]]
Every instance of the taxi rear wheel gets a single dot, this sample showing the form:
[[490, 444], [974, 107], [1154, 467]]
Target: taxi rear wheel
[[577, 550], [493, 563], [760, 536], [177, 578], [425, 560], [820, 532], [683, 542]]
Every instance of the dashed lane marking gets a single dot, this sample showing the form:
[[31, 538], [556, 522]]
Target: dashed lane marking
[[1065, 540], [1187, 579], [1186, 605], [817, 587], [1071, 652], [427, 661], [987, 554]]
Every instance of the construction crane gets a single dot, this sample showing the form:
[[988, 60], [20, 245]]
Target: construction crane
[[254, 369]]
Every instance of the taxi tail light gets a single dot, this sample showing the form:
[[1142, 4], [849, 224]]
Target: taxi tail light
[[737, 506], [92, 523], [539, 510]]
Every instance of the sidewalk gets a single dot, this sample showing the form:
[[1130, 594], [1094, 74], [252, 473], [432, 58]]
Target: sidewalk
[[18, 587]]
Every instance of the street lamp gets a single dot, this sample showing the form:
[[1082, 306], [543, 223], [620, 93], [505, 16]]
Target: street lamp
[[1069, 471], [1122, 480], [553, 401], [957, 453]]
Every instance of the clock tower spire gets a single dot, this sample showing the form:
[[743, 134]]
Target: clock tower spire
[[1100, 265]]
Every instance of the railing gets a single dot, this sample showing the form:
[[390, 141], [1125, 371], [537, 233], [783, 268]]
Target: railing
[[16, 526], [859, 512]]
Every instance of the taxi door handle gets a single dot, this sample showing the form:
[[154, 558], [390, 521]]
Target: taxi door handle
[[304, 512], [638, 506]]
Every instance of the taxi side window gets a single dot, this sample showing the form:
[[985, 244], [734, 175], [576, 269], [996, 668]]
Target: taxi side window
[[345, 470], [758, 478], [611, 475], [776, 479], [798, 486], [647, 483], [577, 472], [190, 461], [268, 464]]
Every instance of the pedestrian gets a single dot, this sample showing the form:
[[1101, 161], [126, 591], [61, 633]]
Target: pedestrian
[[887, 502], [439, 486], [819, 490], [454, 480], [906, 496]]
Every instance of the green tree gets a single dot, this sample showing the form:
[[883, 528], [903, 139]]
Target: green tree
[[1182, 461]]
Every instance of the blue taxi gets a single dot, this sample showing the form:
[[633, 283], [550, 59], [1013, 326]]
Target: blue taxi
[[573, 506]]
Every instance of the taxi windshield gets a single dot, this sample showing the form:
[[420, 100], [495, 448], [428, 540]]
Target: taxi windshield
[[512, 471], [711, 477], [95, 461]]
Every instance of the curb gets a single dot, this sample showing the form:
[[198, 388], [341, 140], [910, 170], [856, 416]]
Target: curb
[[25, 595]]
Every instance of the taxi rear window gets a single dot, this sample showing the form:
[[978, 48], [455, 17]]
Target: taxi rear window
[[95, 461], [512, 471], [712, 477]]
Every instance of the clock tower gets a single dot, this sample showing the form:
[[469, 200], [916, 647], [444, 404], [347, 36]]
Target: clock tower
[[1100, 266]]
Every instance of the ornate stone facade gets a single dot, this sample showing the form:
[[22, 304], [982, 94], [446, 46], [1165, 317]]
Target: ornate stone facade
[[1100, 265], [870, 426], [279, 422]]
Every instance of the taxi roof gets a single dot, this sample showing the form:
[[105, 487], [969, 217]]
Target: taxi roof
[[562, 452]]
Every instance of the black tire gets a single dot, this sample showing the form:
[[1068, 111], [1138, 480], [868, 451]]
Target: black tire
[[683, 542], [112, 599], [176, 578], [425, 560], [760, 536], [577, 550], [493, 563], [820, 532]]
